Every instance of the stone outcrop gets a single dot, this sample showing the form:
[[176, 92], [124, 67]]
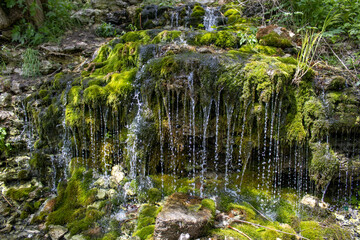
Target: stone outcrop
[[182, 215]]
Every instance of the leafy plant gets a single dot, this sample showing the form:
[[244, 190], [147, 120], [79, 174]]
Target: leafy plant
[[31, 63], [248, 38], [4, 147], [106, 30], [57, 20], [161, 2], [310, 43], [132, 27]]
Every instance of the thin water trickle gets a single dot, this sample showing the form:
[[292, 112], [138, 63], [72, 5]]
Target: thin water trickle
[[206, 111], [263, 155], [161, 146], [192, 105], [229, 113], [240, 163], [216, 158]]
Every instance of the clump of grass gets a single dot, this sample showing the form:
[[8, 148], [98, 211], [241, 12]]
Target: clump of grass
[[31, 63]]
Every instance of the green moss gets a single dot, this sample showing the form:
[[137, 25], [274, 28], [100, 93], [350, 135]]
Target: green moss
[[56, 85], [73, 116], [110, 236], [154, 195], [90, 218], [312, 230], [250, 230], [74, 96], [43, 93], [72, 199], [198, 11], [166, 36], [136, 36], [120, 86], [122, 56], [145, 232], [285, 212], [314, 119], [37, 204], [94, 95], [334, 231], [337, 83], [267, 50], [226, 234], [275, 40], [19, 194], [246, 211], [209, 204], [232, 11], [223, 39], [295, 130], [226, 39], [324, 164], [147, 215], [23, 175]]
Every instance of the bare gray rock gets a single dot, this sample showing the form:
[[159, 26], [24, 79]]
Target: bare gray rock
[[56, 231], [182, 216]]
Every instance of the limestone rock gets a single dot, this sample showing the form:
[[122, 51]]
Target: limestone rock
[[117, 174], [101, 194], [275, 36], [57, 231], [87, 16], [313, 204], [180, 217], [78, 237]]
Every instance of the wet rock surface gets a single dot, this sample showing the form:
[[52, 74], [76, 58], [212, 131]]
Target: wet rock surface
[[180, 217]]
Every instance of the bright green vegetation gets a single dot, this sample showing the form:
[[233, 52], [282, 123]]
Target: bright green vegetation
[[106, 30], [72, 201], [31, 63], [324, 164], [20, 194], [146, 221], [4, 146], [39, 24]]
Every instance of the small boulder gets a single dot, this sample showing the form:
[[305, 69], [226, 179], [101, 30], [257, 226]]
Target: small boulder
[[117, 174], [182, 216], [314, 205], [101, 194], [56, 231], [275, 36]]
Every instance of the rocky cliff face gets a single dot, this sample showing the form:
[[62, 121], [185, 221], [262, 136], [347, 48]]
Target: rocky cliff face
[[193, 101]]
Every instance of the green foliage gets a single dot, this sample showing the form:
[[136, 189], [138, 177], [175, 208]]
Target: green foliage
[[311, 230], [106, 30], [161, 2], [57, 20], [303, 14], [31, 63], [4, 146]]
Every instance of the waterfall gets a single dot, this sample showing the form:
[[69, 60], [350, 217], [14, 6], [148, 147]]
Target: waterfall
[[210, 20], [132, 138]]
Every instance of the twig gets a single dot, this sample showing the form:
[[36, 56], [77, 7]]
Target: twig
[[7, 200], [258, 225], [242, 233], [355, 78], [261, 214]]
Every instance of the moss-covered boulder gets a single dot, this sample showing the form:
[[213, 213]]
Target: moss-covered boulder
[[274, 36]]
